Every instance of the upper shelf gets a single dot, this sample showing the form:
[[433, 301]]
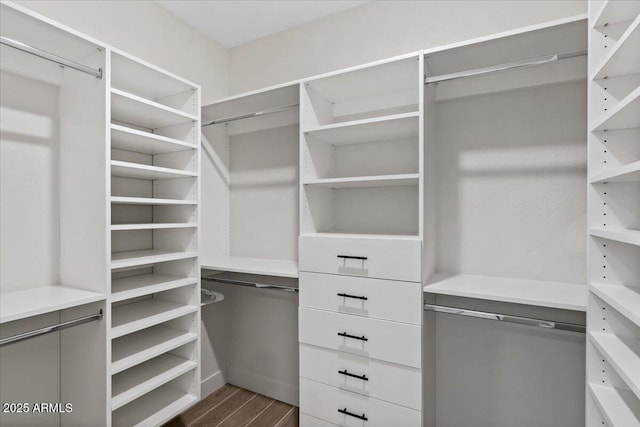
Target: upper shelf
[[387, 128], [623, 58], [140, 171], [631, 237], [129, 139], [145, 257], [263, 266], [122, 200], [626, 173], [567, 296], [367, 181], [133, 109], [36, 301], [613, 11], [625, 115], [625, 299]]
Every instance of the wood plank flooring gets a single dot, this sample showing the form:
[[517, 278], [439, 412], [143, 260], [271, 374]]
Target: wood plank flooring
[[232, 406]]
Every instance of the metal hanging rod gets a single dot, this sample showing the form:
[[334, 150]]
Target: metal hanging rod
[[251, 284], [507, 66], [51, 57], [250, 115], [49, 329], [507, 318]]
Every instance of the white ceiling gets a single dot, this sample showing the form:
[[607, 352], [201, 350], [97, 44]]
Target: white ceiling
[[232, 23]]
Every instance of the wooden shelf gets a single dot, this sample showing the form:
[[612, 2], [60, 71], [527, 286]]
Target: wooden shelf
[[146, 377], [124, 138], [625, 299], [136, 258], [626, 173], [140, 171], [133, 349], [566, 296], [129, 108], [623, 354], [387, 128], [614, 11], [631, 237], [133, 317], [262, 266], [45, 299], [146, 284], [122, 200], [623, 58], [152, 226], [625, 115], [154, 408], [618, 407], [367, 181]]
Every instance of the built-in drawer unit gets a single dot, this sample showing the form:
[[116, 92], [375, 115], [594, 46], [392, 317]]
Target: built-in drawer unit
[[381, 299], [382, 257], [370, 377], [380, 339], [346, 408]]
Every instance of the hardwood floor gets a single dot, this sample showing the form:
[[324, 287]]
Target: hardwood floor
[[232, 406]]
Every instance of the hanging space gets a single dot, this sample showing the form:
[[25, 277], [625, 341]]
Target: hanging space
[[53, 215], [506, 116], [250, 245]]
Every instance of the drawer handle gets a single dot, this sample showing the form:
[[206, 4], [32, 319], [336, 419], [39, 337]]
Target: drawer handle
[[346, 335], [363, 258], [349, 374], [341, 294], [362, 417]]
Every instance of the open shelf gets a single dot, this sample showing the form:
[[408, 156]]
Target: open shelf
[[626, 173], [124, 138], [387, 128], [623, 58], [45, 299], [146, 377], [152, 226], [621, 353], [144, 257], [133, 349], [129, 108], [121, 200], [619, 407], [613, 11], [625, 115], [631, 237], [262, 266], [140, 171], [625, 299], [367, 181], [146, 284], [154, 408], [567, 296], [133, 317]]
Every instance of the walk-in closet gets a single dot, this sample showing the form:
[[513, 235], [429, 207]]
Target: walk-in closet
[[320, 213]]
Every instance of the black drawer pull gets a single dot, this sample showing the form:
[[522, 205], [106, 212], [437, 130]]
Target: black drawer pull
[[363, 258], [346, 335], [341, 294], [362, 417], [349, 374]]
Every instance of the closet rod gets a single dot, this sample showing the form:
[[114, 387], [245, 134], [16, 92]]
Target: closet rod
[[251, 284], [507, 318], [250, 115], [52, 328], [50, 57], [507, 66]]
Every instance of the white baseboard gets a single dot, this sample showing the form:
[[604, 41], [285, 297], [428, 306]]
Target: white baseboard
[[211, 384], [267, 386]]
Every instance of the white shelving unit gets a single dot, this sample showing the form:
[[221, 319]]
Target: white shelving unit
[[155, 288], [613, 319]]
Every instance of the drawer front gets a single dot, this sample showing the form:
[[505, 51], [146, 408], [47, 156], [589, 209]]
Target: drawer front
[[379, 339], [309, 421], [324, 402], [382, 299], [382, 258], [370, 377]]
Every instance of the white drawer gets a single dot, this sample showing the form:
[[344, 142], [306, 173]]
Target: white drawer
[[309, 421], [380, 339], [395, 258], [324, 402], [370, 377], [382, 299]]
